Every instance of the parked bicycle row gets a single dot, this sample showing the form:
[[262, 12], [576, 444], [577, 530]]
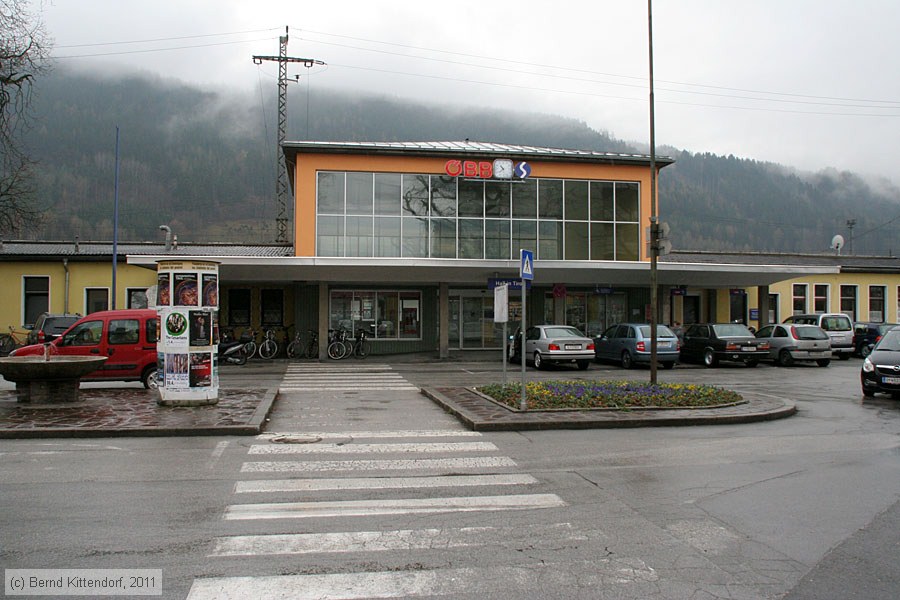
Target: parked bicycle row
[[341, 344]]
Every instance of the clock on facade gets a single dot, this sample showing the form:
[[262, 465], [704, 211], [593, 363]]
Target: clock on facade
[[503, 168]]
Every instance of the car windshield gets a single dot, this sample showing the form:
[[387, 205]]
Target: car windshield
[[890, 342], [59, 324], [562, 332], [661, 331], [732, 330]]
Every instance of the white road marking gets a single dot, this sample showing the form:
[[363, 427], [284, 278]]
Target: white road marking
[[379, 483], [217, 454], [372, 448], [375, 541], [507, 582], [376, 465], [387, 506], [404, 433]]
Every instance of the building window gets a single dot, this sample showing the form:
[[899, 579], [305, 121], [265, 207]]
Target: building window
[[36, 298], [877, 295], [239, 307], [96, 299], [820, 298], [848, 301], [799, 298], [272, 306], [435, 216], [136, 298], [381, 314]]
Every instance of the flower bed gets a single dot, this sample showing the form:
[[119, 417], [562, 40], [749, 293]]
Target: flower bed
[[546, 395]]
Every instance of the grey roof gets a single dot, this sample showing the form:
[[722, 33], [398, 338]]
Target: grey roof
[[451, 148], [21, 250], [847, 263]]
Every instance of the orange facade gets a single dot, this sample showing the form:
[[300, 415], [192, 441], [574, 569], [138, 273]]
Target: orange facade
[[308, 164]]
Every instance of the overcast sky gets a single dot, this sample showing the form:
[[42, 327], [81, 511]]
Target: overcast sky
[[810, 84]]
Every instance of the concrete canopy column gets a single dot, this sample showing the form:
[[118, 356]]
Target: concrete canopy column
[[323, 320], [444, 320], [762, 301]]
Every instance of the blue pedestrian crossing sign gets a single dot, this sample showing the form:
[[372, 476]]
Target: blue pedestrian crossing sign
[[526, 264]]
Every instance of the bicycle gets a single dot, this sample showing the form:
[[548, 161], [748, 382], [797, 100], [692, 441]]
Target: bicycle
[[295, 347], [269, 346], [12, 340], [338, 347], [360, 345], [249, 339], [312, 346]]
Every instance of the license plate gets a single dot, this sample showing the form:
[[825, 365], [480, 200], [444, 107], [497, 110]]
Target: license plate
[[664, 344], [748, 349], [573, 346], [890, 380]]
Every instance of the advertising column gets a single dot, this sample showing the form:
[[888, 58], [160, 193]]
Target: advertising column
[[188, 307]]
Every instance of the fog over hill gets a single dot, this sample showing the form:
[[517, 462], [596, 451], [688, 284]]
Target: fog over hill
[[203, 162]]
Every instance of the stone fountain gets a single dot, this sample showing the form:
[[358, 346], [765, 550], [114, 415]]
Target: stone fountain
[[48, 378]]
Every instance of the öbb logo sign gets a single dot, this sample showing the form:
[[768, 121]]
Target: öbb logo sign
[[469, 168]]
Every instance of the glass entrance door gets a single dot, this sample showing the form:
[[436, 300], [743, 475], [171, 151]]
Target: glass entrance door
[[471, 325]]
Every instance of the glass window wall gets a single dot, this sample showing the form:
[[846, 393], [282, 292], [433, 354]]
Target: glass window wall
[[436, 216]]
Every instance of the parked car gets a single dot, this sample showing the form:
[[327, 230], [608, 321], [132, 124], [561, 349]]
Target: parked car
[[789, 343], [714, 342], [127, 337], [629, 344], [881, 368], [838, 326], [866, 335], [552, 344], [49, 326]]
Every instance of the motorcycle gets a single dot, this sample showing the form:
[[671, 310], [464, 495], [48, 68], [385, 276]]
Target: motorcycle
[[232, 352]]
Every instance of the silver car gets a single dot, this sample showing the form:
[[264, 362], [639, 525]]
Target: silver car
[[790, 342], [629, 343], [553, 344]]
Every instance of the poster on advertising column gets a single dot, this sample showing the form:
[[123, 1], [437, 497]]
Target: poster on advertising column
[[188, 307]]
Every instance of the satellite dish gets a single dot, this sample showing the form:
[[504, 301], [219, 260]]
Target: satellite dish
[[837, 242]]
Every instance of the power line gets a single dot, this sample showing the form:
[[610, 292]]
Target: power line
[[122, 52], [640, 79], [166, 39]]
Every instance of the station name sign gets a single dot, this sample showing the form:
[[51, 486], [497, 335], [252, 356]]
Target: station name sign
[[501, 168]]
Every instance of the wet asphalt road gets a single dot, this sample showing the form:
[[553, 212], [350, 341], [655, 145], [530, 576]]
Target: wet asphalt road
[[802, 508]]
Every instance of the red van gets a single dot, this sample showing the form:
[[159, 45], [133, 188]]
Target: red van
[[127, 337]]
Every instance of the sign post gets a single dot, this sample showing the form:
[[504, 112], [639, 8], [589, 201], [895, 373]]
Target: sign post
[[526, 273], [501, 315]]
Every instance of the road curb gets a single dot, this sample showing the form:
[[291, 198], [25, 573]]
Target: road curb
[[480, 414]]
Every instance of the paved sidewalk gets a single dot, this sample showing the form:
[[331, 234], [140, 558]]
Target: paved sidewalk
[[248, 394]]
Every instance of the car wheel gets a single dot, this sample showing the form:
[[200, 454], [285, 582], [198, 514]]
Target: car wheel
[[583, 364], [868, 393], [844, 356], [709, 358], [785, 359], [538, 361], [668, 365], [149, 378], [627, 360], [823, 362], [865, 350]]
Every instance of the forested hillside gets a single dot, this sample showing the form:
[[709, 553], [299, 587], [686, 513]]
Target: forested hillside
[[203, 162]]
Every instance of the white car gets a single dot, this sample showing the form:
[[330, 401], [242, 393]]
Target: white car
[[553, 344]]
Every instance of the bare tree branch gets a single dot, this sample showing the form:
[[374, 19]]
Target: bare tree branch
[[24, 50]]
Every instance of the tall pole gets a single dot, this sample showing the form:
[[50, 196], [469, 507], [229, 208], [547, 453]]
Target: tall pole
[[654, 225], [281, 181], [115, 252]]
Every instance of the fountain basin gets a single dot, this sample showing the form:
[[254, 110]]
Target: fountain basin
[[50, 379]]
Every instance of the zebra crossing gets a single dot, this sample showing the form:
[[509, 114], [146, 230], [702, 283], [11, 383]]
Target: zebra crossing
[[292, 485], [343, 377]]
